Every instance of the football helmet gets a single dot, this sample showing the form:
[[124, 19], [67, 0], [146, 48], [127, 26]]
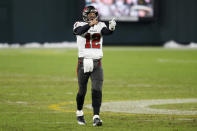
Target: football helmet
[[87, 10]]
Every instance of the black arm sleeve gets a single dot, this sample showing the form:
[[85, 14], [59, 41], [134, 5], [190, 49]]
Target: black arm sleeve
[[106, 31], [81, 29]]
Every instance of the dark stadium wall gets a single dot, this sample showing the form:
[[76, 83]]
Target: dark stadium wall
[[6, 21], [24, 21], [42, 20], [177, 20]]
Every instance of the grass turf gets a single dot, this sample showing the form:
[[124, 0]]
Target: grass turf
[[31, 80]]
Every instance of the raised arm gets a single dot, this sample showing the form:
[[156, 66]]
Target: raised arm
[[81, 29], [106, 31], [110, 30]]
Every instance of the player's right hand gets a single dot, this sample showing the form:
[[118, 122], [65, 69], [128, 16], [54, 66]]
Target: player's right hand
[[93, 22]]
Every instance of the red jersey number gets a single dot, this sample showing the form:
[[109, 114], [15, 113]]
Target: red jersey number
[[93, 39]]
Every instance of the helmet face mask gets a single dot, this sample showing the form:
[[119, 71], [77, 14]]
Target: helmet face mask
[[91, 16], [88, 13]]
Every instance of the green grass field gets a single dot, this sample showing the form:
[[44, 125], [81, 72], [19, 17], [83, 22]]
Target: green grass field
[[38, 88]]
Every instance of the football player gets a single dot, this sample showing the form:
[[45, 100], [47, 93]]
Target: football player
[[89, 34]]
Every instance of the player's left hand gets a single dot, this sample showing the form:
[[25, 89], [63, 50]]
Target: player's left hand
[[112, 24]]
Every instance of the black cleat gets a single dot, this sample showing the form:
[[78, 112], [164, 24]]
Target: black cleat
[[97, 122], [81, 120]]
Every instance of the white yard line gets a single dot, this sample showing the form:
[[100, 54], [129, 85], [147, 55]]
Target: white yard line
[[142, 106]]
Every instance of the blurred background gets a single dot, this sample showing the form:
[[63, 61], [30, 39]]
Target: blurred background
[[140, 22]]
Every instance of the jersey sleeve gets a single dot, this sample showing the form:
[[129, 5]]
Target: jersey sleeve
[[80, 28], [77, 24], [103, 25], [106, 31]]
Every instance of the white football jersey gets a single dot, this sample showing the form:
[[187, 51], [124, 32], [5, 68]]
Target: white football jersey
[[90, 43]]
